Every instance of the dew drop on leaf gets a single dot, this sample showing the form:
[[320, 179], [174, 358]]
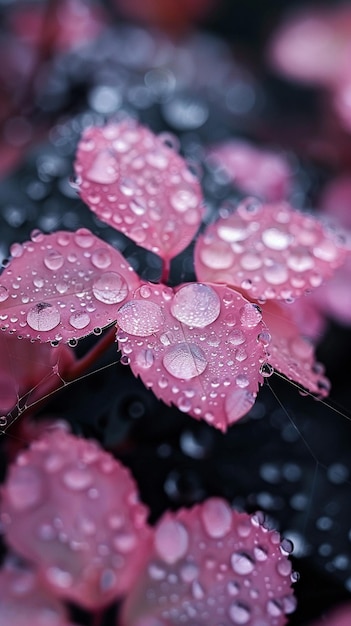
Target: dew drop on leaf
[[43, 316]]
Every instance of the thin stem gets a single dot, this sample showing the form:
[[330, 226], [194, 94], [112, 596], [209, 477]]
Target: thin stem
[[166, 266]]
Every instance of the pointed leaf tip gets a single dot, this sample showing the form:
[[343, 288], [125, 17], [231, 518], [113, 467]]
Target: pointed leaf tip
[[140, 186], [62, 286], [198, 346]]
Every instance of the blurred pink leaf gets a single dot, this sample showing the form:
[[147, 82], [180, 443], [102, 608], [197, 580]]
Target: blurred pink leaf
[[198, 346], [340, 616], [72, 509], [212, 565], [263, 173], [62, 286], [137, 184], [270, 251]]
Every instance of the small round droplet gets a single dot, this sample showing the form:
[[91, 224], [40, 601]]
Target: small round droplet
[[266, 370], [77, 479], [4, 294], [183, 199], [196, 305], [43, 316], [53, 260], [242, 563], [185, 360], [239, 613], [84, 238], [140, 318], [101, 259], [110, 288], [171, 540], [79, 320]]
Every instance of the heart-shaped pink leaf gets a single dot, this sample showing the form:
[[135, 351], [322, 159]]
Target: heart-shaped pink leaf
[[270, 251], [212, 565], [199, 347], [73, 510], [63, 286], [136, 183], [290, 353], [253, 170]]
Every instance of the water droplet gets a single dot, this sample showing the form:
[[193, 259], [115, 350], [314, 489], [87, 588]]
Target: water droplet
[[138, 206], [242, 563], [53, 260], [276, 274], [77, 479], [4, 294], [185, 360], [84, 238], [260, 553], [183, 199], [25, 488], [171, 540], [239, 613], [145, 359], [274, 608], [300, 260], [197, 590], [251, 261], [189, 572], [61, 287], [79, 320], [43, 317], [276, 239], [236, 337], [110, 288], [101, 258], [284, 567], [103, 170], [140, 318], [237, 403], [16, 250], [250, 315], [217, 517], [196, 305], [217, 256], [59, 577], [264, 338], [242, 381], [266, 370], [232, 234]]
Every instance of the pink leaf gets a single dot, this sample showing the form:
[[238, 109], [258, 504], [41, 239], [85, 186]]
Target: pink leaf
[[341, 616], [290, 353], [212, 565], [136, 183], [25, 366], [62, 286], [24, 600], [270, 251], [259, 172], [72, 509], [199, 347]]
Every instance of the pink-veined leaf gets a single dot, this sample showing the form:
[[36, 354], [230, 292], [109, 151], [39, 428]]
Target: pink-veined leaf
[[63, 286], [213, 565], [290, 353], [71, 509], [136, 183], [199, 347], [263, 173], [270, 251]]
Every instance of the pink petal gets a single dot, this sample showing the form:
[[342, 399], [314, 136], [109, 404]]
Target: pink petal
[[336, 200], [212, 565], [25, 366], [62, 286], [259, 172], [197, 347], [340, 616], [334, 298], [290, 353], [271, 251], [72, 509], [137, 184], [24, 600]]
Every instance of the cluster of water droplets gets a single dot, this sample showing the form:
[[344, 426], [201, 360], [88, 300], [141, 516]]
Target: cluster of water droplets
[[211, 564], [269, 251], [200, 347], [73, 510], [137, 183], [62, 285]]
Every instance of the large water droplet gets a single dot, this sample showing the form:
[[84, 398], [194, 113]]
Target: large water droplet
[[217, 517], [250, 315], [4, 294], [103, 169], [239, 613], [276, 274], [237, 403], [140, 318], [110, 288], [53, 260], [25, 488], [101, 258], [83, 238], [183, 199], [276, 239], [300, 260], [242, 563], [79, 320], [77, 479], [236, 337], [185, 360], [217, 256], [196, 305], [171, 541], [43, 316]]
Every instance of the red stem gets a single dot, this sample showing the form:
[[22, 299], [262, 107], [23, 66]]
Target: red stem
[[80, 367], [166, 266]]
